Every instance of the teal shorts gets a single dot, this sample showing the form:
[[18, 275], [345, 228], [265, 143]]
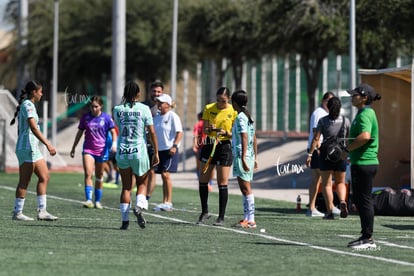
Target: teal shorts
[[28, 156], [138, 166], [238, 170]]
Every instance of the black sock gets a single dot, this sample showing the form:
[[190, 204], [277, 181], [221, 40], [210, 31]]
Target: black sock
[[203, 191], [223, 196]]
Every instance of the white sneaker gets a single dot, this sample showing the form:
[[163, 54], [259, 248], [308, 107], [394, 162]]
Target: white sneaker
[[98, 205], [336, 211], [88, 204], [167, 206], [314, 213], [164, 207], [20, 216], [158, 207], [44, 215]]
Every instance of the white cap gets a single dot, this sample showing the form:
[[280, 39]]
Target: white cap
[[164, 98]]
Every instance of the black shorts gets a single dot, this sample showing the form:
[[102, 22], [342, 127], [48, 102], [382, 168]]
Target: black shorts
[[168, 163], [150, 150], [112, 157], [315, 160], [222, 155]]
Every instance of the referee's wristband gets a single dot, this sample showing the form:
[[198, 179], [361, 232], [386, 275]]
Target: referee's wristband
[[175, 146], [310, 154]]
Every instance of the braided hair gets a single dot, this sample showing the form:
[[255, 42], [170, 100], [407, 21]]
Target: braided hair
[[240, 98], [131, 91], [26, 93]]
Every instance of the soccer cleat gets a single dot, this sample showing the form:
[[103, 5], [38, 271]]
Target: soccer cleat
[[219, 222], [88, 204], [124, 225], [251, 225], [362, 243], [140, 218], [98, 205], [344, 209], [20, 216], [314, 213], [203, 217], [329, 216], [241, 224], [44, 215]]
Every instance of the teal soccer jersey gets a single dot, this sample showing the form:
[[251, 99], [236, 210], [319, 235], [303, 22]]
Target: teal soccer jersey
[[27, 141], [132, 144], [241, 125]]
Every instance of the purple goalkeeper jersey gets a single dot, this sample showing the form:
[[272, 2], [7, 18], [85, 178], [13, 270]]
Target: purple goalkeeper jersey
[[96, 131]]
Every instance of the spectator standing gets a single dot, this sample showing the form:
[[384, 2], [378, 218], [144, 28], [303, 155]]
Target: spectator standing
[[318, 113], [133, 120], [218, 120], [332, 127], [244, 147], [28, 153], [156, 90], [97, 125], [169, 132], [363, 152]]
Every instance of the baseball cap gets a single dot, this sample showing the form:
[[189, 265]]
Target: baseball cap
[[164, 98], [364, 90]]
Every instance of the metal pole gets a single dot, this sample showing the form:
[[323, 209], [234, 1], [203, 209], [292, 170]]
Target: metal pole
[[3, 146], [174, 51], [22, 74], [45, 117], [55, 70], [412, 127], [118, 50], [184, 122], [286, 98], [352, 50]]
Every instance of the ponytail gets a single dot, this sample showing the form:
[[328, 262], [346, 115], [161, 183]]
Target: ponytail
[[26, 92], [240, 98]]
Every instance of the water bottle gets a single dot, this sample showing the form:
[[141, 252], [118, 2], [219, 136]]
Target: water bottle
[[298, 203]]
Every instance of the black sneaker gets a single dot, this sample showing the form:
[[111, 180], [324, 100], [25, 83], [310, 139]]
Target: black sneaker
[[344, 209], [219, 222], [203, 217], [140, 218], [124, 225], [329, 216], [362, 243]]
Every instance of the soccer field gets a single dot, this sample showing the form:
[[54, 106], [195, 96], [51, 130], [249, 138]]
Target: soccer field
[[89, 242]]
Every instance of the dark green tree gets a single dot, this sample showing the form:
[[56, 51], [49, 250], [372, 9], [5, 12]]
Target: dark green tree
[[382, 31], [224, 29], [85, 41], [310, 28]]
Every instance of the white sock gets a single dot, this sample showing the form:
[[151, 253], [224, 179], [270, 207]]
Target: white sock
[[124, 208], [250, 208], [18, 205], [142, 201], [41, 202], [245, 208]]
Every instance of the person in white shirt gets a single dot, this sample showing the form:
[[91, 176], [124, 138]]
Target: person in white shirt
[[319, 112], [169, 131]]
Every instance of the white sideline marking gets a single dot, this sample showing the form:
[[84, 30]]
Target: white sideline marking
[[386, 260]]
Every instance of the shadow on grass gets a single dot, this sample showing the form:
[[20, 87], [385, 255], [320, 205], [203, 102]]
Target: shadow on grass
[[400, 227], [92, 227], [280, 210]]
